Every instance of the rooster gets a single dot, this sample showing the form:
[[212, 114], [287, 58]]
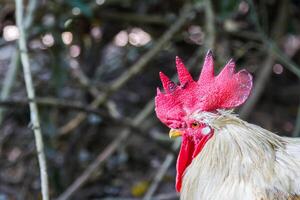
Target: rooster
[[221, 156]]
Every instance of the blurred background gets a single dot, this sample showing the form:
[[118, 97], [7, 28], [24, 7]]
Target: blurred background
[[95, 70]]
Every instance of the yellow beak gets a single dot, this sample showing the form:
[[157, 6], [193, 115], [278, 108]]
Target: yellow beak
[[174, 133]]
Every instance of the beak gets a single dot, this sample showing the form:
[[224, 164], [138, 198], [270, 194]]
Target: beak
[[174, 133]]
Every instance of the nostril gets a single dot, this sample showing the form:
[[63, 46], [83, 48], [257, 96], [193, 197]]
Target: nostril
[[206, 130]]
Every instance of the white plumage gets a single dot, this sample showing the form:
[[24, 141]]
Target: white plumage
[[242, 161]]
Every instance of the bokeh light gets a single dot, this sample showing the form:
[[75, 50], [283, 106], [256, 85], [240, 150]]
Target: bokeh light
[[75, 51], [96, 32], [196, 35], [100, 2], [121, 39], [291, 44], [67, 37], [138, 37], [48, 40], [10, 33], [243, 7], [278, 68], [76, 11]]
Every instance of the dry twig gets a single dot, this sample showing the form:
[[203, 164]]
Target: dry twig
[[186, 13], [34, 114], [14, 64], [266, 70], [210, 25], [9, 80], [296, 132], [53, 102], [162, 171], [83, 108], [105, 154]]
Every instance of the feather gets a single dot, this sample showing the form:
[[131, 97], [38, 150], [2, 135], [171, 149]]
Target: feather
[[225, 157], [243, 161]]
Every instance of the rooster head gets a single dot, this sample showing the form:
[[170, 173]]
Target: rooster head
[[177, 105]]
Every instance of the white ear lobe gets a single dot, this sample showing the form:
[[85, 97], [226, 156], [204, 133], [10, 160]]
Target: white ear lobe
[[206, 130]]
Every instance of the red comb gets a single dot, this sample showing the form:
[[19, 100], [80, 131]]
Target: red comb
[[227, 90]]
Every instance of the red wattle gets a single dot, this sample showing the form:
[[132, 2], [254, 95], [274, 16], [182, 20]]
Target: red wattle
[[184, 159], [201, 144], [188, 151]]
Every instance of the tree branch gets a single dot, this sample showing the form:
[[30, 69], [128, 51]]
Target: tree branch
[[296, 132], [106, 153], [266, 70], [34, 114], [83, 108], [15, 60], [210, 25], [186, 13], [161, 172]]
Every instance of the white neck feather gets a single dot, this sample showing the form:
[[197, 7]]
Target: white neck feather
[[241, 161]]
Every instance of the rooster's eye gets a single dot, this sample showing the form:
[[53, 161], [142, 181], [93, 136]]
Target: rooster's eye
[[195, 125]]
